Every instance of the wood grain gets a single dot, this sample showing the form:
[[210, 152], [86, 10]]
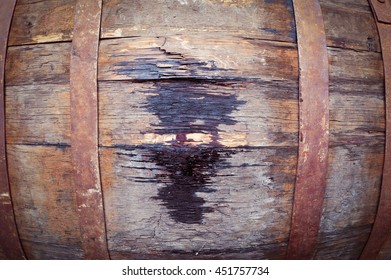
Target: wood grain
[[271, 20], [38, 113], [239, 218], [206, 57], [42, 22], [385, 252], [44, 201], [357, 113], [266, 114], [350, 25], [46, 63], [239, 57]]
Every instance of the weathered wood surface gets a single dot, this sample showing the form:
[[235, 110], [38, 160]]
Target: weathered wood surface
[[136, 113], [385, 253], [38, 21], [45, 205], [354, 178], [38, 133], [357, 133], [37, 64], [84, 127], [271, 20], [38, 113], [241, 175], [177, 123], [209, 223], [356, 98], [349, 23]]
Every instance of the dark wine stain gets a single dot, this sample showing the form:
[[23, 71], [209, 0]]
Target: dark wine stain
[[185, 107], [189, 172]]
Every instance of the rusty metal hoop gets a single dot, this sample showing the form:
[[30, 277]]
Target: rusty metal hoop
[[84, 125], [313, 129], [381, 229]]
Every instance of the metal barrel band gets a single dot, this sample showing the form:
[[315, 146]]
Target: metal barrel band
[[313, 130], [10, 242], [381, 229], [84, 125]]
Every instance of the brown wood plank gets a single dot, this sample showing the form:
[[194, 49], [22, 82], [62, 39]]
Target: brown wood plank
[[356, 98], [260, 114], [381, 10], [382, 226], [313, 130], [243, 210], [38, 113], [351, 198], [343, 64], [44, 201], [10, 245], [342, 244], [38, 64], [84, 125], [385, 252], [350, 24], [201, 57], [42, 22], [271, 20]]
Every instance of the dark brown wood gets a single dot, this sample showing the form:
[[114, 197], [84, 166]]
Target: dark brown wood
[[10, 244], [84, 125], [313, 129], [382, 226]]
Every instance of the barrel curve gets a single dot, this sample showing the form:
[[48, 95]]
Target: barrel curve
[[10, 243]]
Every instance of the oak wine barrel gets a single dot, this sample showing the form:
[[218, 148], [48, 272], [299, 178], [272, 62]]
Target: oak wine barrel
[[195, 129]]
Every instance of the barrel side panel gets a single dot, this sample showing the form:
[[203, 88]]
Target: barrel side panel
[[357, 134], [198, 128], [38, 136], [42, 22], [10, 246], [271, 20]]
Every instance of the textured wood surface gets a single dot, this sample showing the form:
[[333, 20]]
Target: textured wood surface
[[202, 57], [271, 20], [228, 217], [10, 245], [198, 94], [38, 113], [177, 123], [350, 24], [42, 21], [36, 64], [45, 205], [357, 133]]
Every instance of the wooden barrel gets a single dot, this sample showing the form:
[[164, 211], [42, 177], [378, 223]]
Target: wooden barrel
[[172, 129]]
